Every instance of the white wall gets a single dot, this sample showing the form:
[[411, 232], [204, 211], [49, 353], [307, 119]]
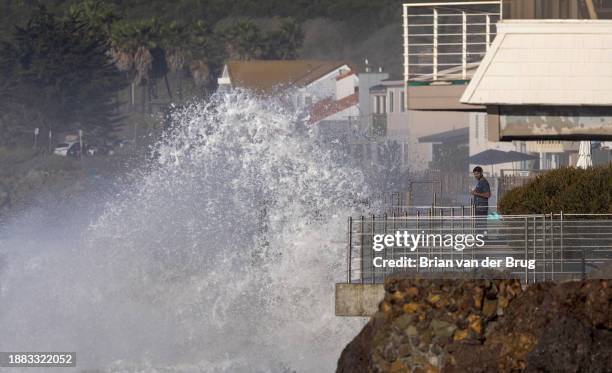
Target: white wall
[[397, 120], [398, 128], [346, 86], [322, 88], [366, 81]]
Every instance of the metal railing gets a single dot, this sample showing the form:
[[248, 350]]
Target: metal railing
[[447, 41], [562, 246]]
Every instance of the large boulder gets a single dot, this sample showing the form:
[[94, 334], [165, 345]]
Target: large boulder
[[453, 325]]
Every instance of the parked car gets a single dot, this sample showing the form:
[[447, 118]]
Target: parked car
[[62, 148]]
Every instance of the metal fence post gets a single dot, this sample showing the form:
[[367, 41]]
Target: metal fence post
[[393, 228], [429, 230], [453, 231], [583, 263], [462, 226], [440, 224], [361, 253], [534, 247], [371, 264], [385, 250], [418, 216], [552, 246], [350, 250], [544, 245], [472, 214], [526, 249], [561, 244]]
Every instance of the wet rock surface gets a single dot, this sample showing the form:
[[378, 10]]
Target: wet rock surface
[[455, 325]]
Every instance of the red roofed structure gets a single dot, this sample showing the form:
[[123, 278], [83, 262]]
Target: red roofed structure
[[329, 107]]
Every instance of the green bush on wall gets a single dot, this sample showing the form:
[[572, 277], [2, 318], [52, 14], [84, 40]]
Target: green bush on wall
[[571, 190]]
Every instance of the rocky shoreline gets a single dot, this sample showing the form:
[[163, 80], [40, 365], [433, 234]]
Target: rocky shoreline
[[459, 325]]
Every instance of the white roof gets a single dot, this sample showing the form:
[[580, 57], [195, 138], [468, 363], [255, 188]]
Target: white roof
[[546, 62]]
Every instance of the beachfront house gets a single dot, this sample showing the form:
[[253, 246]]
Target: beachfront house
[[309, 81]]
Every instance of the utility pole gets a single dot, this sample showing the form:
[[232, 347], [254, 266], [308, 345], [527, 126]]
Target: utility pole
[[50, 137], [36, 131], [80, 145]]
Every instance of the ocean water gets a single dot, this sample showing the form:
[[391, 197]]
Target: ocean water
[[219, 254]]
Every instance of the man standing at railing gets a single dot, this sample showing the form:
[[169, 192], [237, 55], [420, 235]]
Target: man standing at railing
[[481, 193]]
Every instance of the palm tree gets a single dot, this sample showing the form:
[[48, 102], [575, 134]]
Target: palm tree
[[205, 54], [131, 45], [142, 64], [200, 73], [175, 41]]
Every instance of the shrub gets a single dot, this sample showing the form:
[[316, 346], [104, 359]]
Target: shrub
[[571, 190]]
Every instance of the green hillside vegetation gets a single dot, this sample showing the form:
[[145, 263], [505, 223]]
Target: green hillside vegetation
[[91, 64]]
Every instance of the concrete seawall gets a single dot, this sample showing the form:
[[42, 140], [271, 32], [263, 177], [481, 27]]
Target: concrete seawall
[[358, 299]]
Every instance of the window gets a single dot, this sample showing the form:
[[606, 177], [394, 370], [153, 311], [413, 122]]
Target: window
[[381, 104], [402, 101], [307, 100], [390, 101]]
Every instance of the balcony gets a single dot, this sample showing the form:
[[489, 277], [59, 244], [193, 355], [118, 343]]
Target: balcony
[[443, 46], [447, 41]]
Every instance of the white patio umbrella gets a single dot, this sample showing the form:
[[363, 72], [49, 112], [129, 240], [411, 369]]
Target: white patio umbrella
[[584, 155]]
